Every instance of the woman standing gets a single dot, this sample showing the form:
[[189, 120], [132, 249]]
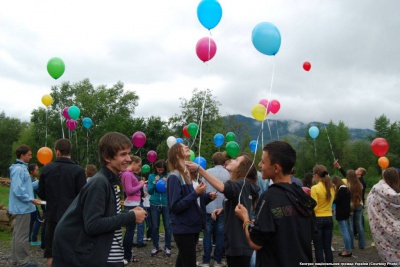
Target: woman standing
[[384, 213], [323, 193], [186, 202], [159, 207], [342, 202], [241, 188], [357, 207]]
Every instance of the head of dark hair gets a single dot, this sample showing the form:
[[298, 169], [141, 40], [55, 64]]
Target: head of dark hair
[[31, 167], [218, 158], [307, 179], [281, 153], [22, 150], [337, 181], [391, 177], [110, 144], [90, 170], [64, 146], [161, 164]]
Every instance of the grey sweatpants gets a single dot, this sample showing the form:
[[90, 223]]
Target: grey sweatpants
[[20, 241]]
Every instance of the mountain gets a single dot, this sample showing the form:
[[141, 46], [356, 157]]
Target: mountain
[[291, 129]]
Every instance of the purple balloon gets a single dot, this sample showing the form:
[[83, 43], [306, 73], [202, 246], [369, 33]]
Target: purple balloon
[[71, 124], [152, 155], [138, 139], [65, 113]]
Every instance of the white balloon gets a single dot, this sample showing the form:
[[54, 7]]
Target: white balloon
[[171, 141]]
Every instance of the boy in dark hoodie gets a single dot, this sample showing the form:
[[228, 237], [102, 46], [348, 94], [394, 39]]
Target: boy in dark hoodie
[[283, 227]]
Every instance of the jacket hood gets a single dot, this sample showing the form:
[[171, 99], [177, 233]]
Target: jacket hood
[[302, 202], [17, 163]]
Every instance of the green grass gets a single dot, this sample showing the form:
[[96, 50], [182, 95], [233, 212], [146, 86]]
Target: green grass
[[4, 192]]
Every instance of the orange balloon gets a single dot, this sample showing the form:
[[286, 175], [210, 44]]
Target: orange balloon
[[383, 162], [44, 155]]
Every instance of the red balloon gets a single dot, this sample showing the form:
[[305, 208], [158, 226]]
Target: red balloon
[[71, 124], [185, 132], [380, 146], [138, 139], [206, 49], [307, 66], [274, 106]]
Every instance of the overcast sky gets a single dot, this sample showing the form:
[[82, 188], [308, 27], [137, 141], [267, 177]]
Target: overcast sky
[[353, 47]]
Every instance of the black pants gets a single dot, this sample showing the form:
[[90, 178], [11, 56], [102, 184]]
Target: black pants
[[187, 249], [238, 261]]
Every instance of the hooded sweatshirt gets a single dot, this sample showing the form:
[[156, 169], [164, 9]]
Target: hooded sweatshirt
[[284, 226], [21, 189]]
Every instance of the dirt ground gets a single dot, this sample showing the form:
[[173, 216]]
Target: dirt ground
[[365, 257]]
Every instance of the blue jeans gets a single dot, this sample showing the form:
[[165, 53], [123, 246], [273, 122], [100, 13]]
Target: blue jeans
[[323, 239], [128, 237], [344, 226], [149, 224], [156, 212], [357, 214], [217, 228], [140, 231], [34, 225]]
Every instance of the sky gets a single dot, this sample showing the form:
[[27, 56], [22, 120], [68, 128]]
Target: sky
[[150, 47]]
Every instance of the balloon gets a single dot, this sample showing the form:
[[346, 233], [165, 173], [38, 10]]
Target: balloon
[[192, 129], [152, 156], [87, 122], [192, 155], [209, 13], [313, 132], [179, 140], [65, 113], [161, 186], [274, 106], [263, 102], [383, 162], [232, 148], [55, 67], [230, 137], [185, 132], [138, 139], [201, 161], [219, 139], [74, 112], [380, 147], [44, 155], [47, 100], [71, 124], [171, 141], [266, 38], [253, 146], [145, 168], [307, 66], [259, 112], [206, 49]]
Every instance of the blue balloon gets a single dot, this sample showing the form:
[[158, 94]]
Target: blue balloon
[[219, 139], [254, 146], [179, 140], [266, 38], [313, 132], [161, 186], [209, 13], [87, 122], [201, 161]]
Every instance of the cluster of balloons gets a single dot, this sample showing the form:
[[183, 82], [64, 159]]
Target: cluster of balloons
[[55, 67], [190, 130], [71, 114], [209, 13], [313, 132], [219, 139], [44, 155], [266, 38], [380, 147], [307, 66], [264, 107]]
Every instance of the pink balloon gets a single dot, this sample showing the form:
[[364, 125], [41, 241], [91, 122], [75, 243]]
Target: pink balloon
[[152, 155], [138, 139], [264, 102], [71, 124], [274, 106], [206, 49], [65, 113]]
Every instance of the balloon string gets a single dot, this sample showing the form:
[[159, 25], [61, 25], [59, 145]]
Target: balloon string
[[45, 142], [201, 128], [77, 150], [62, 128], [315, 152], [269, 129], [330, 144], [277, 129], [87, 146]]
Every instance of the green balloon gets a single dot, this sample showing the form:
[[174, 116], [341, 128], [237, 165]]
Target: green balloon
[[74, 112], [230, 137], [55, 67], [192, 129], [145, 168], [192, 156], [232, 148]]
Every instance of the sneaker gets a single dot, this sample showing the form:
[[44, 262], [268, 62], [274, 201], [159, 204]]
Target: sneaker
[[200, 264], [126, 262], [154, 251], [219, 264], [167, 252], [141, 245]]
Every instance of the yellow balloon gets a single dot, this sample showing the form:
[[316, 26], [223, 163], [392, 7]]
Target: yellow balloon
[[383, 162], [259, 112], [47, 100]]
